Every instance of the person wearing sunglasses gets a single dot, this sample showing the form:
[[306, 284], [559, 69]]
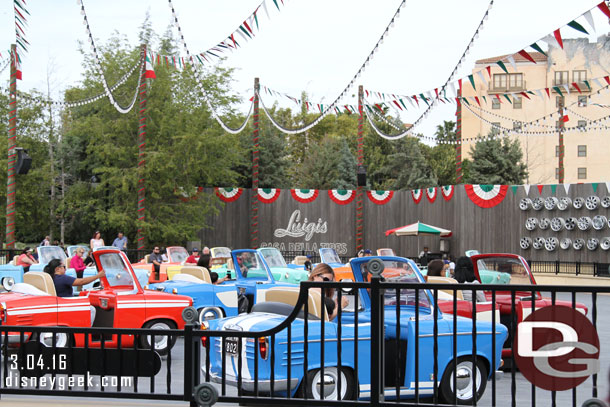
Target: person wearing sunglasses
[[323, 272], [63, 283]]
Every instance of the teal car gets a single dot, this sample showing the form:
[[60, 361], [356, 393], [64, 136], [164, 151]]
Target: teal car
[[280, 270]]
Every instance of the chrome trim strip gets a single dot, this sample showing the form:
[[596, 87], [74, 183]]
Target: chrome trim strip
[[459, 333]]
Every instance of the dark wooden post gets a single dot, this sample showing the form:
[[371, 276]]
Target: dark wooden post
[[458, 140], [255, 158], [141, 238], [359, 192], [12, 157]]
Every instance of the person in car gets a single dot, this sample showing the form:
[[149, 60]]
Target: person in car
[[156, 258], [464, 273], [192, 259], [77, 263], [63, 283], [435, 268], [323, 272], [26, 259]]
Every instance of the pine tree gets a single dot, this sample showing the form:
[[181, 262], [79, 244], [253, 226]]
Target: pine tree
[[497, 161]]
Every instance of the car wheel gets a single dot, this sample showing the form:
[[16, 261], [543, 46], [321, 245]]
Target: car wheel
[[331, 384], [163, 343], [465, 381], [209, 313], [61, 339]]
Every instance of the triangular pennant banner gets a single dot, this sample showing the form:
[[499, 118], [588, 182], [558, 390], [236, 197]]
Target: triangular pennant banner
[[540, 188], [526, 187], [566, 187]]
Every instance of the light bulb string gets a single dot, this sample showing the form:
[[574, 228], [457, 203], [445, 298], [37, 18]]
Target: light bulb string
[[100, 70]]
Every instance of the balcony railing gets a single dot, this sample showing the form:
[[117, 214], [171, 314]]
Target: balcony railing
[[507, 88]]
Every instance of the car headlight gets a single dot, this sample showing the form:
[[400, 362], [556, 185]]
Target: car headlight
[[175, 291], [8, 283]]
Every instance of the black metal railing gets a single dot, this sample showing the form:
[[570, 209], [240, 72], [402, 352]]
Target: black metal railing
[[570, 268], [393, 340]]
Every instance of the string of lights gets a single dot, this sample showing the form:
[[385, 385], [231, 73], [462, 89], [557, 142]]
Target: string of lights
[[330, 107], [82, 102], [202, 89], [536, 122], [443, 88], [100, 71]]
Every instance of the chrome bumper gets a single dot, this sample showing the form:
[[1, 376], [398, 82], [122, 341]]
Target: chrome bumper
[[264, 386]]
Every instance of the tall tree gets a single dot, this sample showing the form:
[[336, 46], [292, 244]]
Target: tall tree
[[497, 161], [441, 157], [185, 149]]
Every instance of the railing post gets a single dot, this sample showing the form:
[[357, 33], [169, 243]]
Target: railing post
[[577, 268], [557, 266], [188, 367], [377, 338]]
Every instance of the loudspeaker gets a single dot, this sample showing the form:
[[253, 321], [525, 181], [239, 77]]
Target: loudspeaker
[[361, 174], [444, 246], [24, 161]]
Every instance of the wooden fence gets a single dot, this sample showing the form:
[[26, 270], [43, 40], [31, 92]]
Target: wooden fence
[[490, 221]]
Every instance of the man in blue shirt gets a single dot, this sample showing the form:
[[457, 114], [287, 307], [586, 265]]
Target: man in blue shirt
[[120, 242]]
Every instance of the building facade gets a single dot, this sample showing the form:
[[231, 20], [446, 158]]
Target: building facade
[[523, 102]]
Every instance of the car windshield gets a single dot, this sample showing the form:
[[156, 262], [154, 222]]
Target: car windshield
[[48, 253], [72, 250], [273, 257], [386, 252], [177, 254], [221, 252], [328, 255], [400, 272], [251, 265], [502, 270], [116, 270]]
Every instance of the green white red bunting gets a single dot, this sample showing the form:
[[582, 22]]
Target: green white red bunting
[[185, 197], [486, 196], [268, 195], [417, 195], [304, 195], [447, 192], [341, 196], [431, 194], [380, 197], [228, 194]]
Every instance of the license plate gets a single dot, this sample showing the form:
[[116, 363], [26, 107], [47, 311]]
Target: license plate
[[231, 346]]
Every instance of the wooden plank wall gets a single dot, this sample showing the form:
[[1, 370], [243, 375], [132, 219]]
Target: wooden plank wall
[[496, 229]]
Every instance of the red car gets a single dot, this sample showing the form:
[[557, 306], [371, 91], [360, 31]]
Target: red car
[[512, 269], [120, 303]]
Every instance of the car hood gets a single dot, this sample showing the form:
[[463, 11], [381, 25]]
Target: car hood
[[255, 321]]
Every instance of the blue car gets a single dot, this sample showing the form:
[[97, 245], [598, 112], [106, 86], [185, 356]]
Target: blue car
[[355, 381], [248, 284], [9, 275]]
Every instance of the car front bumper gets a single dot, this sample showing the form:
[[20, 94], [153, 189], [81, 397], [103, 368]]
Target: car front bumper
[[247, 384]]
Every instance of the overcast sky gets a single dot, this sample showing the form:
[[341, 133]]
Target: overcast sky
[[311, 45]]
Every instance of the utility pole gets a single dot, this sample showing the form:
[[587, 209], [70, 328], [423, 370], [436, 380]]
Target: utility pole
[[12, 156], [140, 237], [255, 158], [561, 146], [361, 182]]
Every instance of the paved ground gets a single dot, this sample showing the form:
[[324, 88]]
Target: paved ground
[[523, 394]]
